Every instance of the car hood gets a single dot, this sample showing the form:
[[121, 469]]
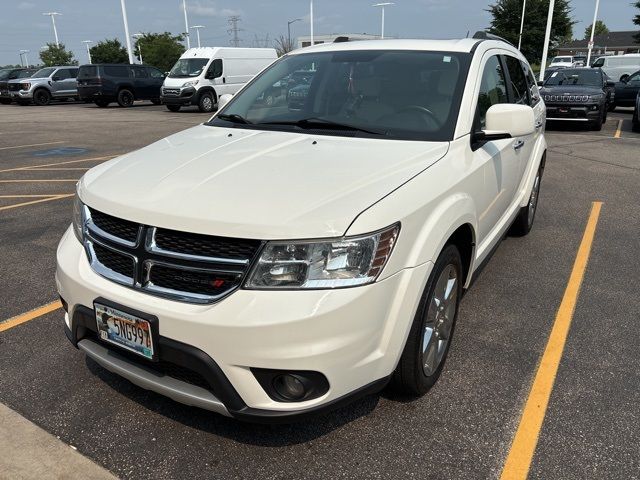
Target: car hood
[[177, 82], [29, 79], [255, 184], [571, 90]]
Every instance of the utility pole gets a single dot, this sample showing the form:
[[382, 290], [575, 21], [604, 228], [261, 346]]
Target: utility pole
[[311, 22], [186, 23], [524, 8], [547, 36], [138, 36], [382, 5], [289, 29], [233, 31], [593, 31], [26, 59], [87, 42], [126, 31], [53, 21], [197, 29]]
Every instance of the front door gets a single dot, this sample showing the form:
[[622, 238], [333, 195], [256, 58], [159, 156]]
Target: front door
[[627, 92], [63, 82]]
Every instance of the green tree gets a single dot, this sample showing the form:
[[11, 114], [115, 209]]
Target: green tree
[[160, 50], [601, 29], [55, 55], [109, 51], [636, 21], [506, 23]]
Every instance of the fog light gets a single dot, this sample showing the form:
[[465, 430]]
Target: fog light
[[289, 387]]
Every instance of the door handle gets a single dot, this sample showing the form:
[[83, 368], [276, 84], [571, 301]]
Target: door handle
[[518, 144], [539, 124]]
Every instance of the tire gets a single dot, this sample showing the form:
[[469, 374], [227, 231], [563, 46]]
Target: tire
[[524, 221], [42, 97], [102, 103], [434, 323], [604, 117], [635, 123], [23, 103], [155, 101], [5, 101], [125, 98], [612, 107], [597, 125], [206, 103], [173, 108]]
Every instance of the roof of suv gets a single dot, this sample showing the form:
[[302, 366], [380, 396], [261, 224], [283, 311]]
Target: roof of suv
[[464, 45]]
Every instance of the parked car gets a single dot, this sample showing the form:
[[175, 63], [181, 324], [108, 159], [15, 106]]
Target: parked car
[[636, 115], [549, 71], [270, 264], [45, 85], [202, 75], [627, 91], [562, 61], [103, 84], [578, 95], [8, 74], [619, 67]]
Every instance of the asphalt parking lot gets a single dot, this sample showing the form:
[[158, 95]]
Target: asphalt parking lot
[[463, 428]]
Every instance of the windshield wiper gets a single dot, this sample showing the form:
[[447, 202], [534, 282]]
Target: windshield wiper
[[234, 118], [317, 122]]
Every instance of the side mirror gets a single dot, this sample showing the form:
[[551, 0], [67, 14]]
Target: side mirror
[[540, 83], [506, 120], [223, 100], [55, 78]]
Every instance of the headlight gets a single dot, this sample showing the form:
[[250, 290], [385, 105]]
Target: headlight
[[595, 98], [331, 263], [25, 86], [78, 217], [192, 83]]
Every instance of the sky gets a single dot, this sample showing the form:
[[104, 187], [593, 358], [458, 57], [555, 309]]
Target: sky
[[22, 25]]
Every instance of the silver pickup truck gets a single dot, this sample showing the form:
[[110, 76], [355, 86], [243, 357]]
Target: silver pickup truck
[[49, 83]]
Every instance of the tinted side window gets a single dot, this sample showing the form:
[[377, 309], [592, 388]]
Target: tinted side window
[[215, 69], [155, 73], [519, 86], [634, 80], [598, 63], [62, 74], [493, 89], [116, 71], [73, 73], [140, 72]]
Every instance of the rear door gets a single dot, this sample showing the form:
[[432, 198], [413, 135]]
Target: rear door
[[156, 80], [141, 82]]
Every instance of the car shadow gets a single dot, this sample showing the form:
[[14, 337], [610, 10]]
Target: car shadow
[[265, 435]]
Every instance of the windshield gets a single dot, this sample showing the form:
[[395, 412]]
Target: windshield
[[4, 74], [562, 60], [411, 95], [575, 77], [188, 67], [44, 72]]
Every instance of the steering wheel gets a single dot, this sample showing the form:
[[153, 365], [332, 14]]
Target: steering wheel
[[423, 111]]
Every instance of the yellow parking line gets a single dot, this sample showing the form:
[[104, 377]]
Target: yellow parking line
[[25, 317], [619, 130], [526, 438], [35, 167], [24, 204], [32, 145]]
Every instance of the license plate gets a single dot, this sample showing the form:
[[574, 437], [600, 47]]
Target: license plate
[[125, 330]]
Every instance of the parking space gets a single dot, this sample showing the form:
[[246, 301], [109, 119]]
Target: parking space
[[464, 428]]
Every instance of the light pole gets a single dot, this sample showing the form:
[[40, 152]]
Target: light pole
[[197, 29], [126, 30], [87, 42], [138, 36], [26, 59], [289, 29], [547, 35], [593, 31], [186, 23], [53, 21], [311, 20], [524, 8], [382, 5]]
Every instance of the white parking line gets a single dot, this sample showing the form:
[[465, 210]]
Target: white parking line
[[32, 145]]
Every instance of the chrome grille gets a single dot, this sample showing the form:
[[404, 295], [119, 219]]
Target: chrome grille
[[182, 266], [171, 91], [566, 98]]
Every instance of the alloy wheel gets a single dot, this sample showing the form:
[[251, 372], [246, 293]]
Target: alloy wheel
[[440, 316], [533, 200]]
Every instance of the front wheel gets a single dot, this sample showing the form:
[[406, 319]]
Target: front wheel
[[102, 103], [5, 101], [430, 335], [612, 107], [42, 97], [155, 101], [524, 221], [173, 108], [125, 98], [206, 102]]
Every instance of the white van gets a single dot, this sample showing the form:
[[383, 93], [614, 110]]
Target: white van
[[619, 67], [202, 75]]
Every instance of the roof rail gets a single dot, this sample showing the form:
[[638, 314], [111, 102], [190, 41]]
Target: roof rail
[[482, 35]]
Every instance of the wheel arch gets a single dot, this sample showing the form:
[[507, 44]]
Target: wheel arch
[[206, 89]]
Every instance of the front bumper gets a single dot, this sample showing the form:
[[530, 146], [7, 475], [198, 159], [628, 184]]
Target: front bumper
[[573, 112], [353, 336], [178, 96]]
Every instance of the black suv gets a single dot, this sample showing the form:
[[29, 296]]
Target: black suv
[[578, 95], [106, 83], [7, 74]]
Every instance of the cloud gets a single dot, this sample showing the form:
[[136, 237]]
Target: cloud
[[26, 5], [209, 9]]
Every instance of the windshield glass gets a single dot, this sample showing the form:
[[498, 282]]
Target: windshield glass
[[575, 77], [562, 60], [188, 67], [4, 74], [412, 95], [43, 72]]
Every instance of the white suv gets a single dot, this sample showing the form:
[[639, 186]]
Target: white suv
[[276, 262]]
